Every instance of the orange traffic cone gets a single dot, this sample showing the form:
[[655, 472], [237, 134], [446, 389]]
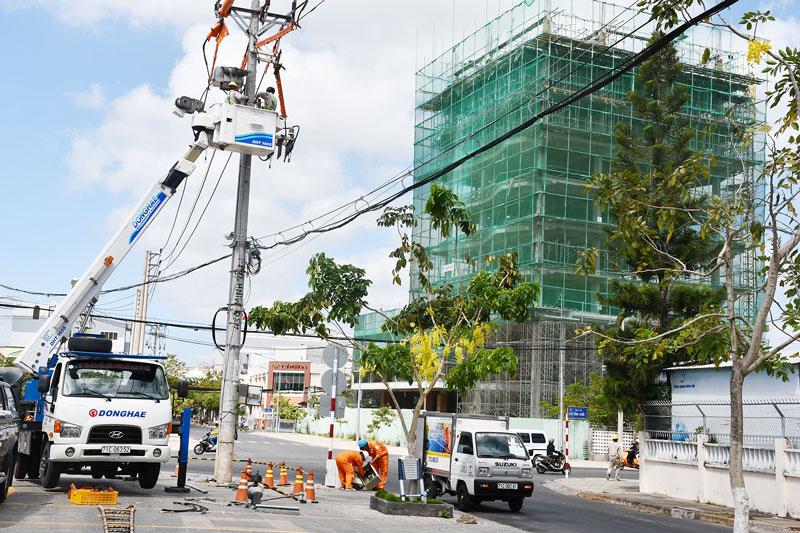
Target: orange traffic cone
[[269, 481], [249, 470], [241, 492], [177, 466], [284, 479], [298, 482], [310, 496]]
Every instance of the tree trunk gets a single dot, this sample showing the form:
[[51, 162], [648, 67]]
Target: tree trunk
[[741, 502]]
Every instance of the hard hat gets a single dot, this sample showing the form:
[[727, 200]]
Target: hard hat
[[362, 443], [551, 440], [233, 85], [270, 89], [614, 437]]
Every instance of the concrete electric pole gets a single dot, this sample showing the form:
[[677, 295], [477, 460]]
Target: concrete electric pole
[[257, 22]]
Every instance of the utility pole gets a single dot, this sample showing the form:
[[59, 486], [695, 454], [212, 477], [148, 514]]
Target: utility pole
[[151, 261]]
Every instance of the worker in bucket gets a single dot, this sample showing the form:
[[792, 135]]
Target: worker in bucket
[[233, 94], [380, 458], [346, 463], [268, 100]]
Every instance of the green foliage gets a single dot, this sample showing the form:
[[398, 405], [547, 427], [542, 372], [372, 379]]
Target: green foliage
[[442, 324], [601, 410], [175, 369], [383, 416], [286, 410]]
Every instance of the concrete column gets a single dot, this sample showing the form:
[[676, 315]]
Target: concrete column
[[643, 477], [780, 476], [702, 474]]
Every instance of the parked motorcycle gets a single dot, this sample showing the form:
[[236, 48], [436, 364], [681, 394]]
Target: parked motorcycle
[[630, 458], [204, 445], [556, 463]]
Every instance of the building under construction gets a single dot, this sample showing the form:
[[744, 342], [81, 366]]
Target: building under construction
[[527, 196]]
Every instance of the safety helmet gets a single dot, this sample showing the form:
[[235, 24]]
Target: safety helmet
[[270, 89], [233, 85], [362, 443], [614, 437], [551, 440]]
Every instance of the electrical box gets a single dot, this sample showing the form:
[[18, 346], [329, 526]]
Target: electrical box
[[238, 128], [224, 75]]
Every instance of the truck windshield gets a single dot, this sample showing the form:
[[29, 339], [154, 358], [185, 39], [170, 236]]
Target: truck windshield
[[500, 446], [115, 379]]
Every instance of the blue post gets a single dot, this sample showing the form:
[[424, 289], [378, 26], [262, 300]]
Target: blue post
[[183, 454]]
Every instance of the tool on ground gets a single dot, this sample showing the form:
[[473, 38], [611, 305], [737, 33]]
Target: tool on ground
[[117, 519], [190, 507], [369, 481], [310, 496]]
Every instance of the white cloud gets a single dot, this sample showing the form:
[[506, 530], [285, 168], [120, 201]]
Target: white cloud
[[92, 98]]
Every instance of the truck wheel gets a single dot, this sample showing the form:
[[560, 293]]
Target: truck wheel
[[21, 470], [89, 344], [7, 483], [48, 470], [148, 475], [515, 503], [464, 500]]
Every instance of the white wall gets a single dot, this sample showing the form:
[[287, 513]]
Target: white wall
[[699, 471]]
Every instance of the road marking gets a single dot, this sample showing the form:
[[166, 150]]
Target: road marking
[[155, 526]]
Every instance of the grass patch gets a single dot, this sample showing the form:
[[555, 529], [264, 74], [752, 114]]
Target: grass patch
[[388, 496]]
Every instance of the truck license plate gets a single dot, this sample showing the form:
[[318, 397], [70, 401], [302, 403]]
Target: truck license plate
[[511, 486], [115, 449]]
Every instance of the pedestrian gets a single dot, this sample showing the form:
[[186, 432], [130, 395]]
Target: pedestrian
[[614, 457], [380, 458], [346, 462], [268, 100]]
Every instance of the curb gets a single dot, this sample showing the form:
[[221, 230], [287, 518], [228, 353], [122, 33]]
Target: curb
[[679, 512]]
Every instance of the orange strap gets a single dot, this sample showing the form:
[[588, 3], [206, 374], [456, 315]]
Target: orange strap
[[225, 10], [280, 91], [278, 35], [220, 31]]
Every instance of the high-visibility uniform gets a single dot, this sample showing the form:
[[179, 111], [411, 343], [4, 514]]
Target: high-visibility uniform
[[345, 462], [380, 460]]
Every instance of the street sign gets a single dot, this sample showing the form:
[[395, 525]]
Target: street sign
[[578, 413], [268, 410], [325, 406], [327, 382], [329, 354]]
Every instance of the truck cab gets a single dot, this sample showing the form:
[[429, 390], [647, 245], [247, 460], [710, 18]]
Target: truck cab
[[101, 414], [475, 458]]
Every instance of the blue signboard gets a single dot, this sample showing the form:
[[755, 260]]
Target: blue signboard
[[268, 410], [577, 412]]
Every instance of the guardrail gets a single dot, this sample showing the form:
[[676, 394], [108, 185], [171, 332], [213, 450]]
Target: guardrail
[[668, 450]]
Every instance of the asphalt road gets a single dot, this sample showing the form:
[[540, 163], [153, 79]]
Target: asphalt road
[[546, 510]]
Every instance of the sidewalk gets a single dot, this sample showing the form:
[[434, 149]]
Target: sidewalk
[[626, 492], [315, 440]]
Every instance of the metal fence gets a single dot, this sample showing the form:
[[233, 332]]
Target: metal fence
[[764, 421]]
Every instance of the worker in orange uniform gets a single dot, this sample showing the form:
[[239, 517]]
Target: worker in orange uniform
[[346, 462], [380, 458]]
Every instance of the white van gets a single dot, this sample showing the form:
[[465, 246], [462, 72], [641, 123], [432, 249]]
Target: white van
[[535, 441]]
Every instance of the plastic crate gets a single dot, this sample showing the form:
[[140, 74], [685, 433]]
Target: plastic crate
[[92, 496]]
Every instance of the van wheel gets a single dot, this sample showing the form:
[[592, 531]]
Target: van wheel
[[21, 469], [515, 503], [48, 470], [432, 487], [148, 475], [464, 500]]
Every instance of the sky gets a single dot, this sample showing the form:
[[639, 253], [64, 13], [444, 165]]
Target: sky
[[89, 91]]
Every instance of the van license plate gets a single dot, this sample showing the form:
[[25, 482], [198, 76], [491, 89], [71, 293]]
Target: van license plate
[[510, 486], [115, 449]]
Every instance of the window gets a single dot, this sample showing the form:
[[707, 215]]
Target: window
[[537, 438], [289, 381], [500, 446], [526, 437], [109, 335], [465, 442], [115, 379], [12, 403]]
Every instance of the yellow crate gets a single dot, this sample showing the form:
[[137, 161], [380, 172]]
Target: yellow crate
[[93, 497]]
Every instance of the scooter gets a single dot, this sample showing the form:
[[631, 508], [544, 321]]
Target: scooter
[[557, 463], [630, 458], [204, 445]]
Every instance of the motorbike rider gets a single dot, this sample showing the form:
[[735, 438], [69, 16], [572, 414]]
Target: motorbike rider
[[213, 440], [551, 448], [633, 452]]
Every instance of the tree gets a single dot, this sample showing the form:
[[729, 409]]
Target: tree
[[443, 330], [756, 222], [382, 416], [286, 410], [602, 411], [651, 150], [175, 369]]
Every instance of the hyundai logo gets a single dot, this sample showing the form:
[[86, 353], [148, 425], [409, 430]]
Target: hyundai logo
[[116, 434]]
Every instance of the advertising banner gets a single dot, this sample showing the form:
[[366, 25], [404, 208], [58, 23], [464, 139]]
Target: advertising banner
[[438, 441]]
